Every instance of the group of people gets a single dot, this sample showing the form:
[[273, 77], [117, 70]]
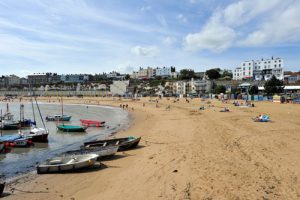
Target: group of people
[[124, 106]]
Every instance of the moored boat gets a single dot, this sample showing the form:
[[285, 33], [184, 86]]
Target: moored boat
[[123, 143], [71, 128], [58, 118], [16, 140], [67, 163], [2, 146], [101, 151], [38, 134], [88, 122]]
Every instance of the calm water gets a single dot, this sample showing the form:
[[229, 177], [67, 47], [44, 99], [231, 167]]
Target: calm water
[[21, 160]]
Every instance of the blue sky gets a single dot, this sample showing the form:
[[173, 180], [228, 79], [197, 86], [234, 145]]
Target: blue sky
[[95, 36]]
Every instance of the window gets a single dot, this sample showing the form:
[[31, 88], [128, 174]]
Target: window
[[249, 63], [244, 73], [279, 60], [244, 64], [275, 66], [244, 68], [269, 62], [279, 65], [249, 68]]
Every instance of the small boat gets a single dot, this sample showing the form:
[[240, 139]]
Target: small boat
[[67, 163], [88, 123], [10, 126], [58, 118], [38, 134], [71, 128], [123, 143], [101, 151], [26, 123], [2, 185], [16, 140]]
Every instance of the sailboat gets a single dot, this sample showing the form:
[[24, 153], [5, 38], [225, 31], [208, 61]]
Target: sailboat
[[8, 122], [38, 134], [69, 128], [24, 122]]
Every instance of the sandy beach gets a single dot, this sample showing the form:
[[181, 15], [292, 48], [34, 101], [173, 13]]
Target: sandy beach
[[186, 153]]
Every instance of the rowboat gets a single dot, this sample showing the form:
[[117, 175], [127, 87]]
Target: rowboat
[[58, 118], [2, 185], [101, 151], [123, 143], [71, 128], [88, 122], [67, 163]]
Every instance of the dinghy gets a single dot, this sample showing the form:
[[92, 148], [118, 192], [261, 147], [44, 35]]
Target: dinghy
[[88, 123], [67, 163], [101, 151], [123, 143], [58, 118], [71, 128]]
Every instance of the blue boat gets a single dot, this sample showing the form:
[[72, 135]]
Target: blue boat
[[58, 118]]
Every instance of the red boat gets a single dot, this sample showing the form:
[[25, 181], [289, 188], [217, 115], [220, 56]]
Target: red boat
[[88, 123]]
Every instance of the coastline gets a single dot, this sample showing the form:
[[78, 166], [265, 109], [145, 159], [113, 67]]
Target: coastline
[[190, 154]]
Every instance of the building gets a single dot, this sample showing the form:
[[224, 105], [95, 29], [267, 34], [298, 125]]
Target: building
[[179, 87], [74, 78], [143, 73], [115, 76], [163, 72], [23, 81], [198, 87], [119, 87], [38, 79], [260, 69], [12, 80]]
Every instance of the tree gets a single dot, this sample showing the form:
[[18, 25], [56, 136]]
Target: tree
[[127, 77], [273, 86], [227, 74], [220, 89], [186, 74], [213, 74], [253, 90]]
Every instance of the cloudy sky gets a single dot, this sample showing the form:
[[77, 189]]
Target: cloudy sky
[[94, 36]]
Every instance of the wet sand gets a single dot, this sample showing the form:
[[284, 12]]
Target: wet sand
[[186, 153]]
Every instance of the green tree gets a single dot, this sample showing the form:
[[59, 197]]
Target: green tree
[[127, 77], [186, 74], [213, 74], [220, 89], [273, 86], [253, 90]]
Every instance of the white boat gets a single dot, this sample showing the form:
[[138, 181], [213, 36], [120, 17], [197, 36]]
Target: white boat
[[67, 163], [100, 151], [38, 134]]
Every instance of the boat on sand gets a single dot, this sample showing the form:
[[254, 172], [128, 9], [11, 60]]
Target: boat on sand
[[123, 143], [67, 163]]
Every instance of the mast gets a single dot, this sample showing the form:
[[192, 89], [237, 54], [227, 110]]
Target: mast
[[1, 123], [37, 105]]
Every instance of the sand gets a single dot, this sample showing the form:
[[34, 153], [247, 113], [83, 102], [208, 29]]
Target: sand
[[186, 153]]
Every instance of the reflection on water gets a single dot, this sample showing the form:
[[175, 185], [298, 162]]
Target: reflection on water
[[21, 160]]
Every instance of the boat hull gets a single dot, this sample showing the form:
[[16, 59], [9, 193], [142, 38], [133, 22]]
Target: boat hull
[[58, 118], [71, 129], [123, 143], [69, 163], [100, 151]]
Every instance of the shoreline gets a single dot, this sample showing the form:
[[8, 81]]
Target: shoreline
[[186, 153]]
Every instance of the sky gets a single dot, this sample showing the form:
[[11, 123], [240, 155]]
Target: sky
[[95, 36]]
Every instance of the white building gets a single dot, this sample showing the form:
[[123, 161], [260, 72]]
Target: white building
[[119, 87], [198, 86], [179, 88], [260, 69], [163, 72], [12, 80]]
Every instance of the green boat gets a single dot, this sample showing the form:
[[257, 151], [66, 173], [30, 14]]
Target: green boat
[[71, 128]]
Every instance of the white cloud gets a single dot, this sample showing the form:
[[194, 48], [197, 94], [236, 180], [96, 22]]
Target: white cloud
[[284, 27], [148, 51], [214, 37], [277, 22], [169, 40]]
